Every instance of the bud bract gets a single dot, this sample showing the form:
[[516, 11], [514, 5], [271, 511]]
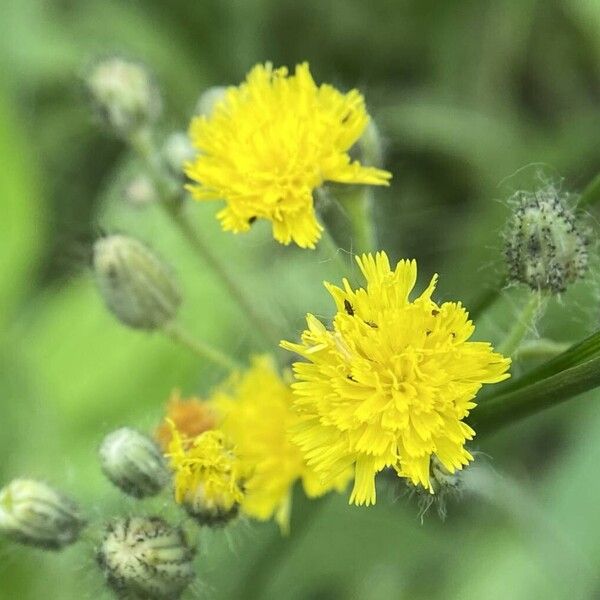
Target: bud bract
[[33, 513], [177, 151], [133, 462], [124, 93], [137, 287], [546, 247], [146, 558], [444, 486]]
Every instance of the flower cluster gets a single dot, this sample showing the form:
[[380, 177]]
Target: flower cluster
[[253, 416]]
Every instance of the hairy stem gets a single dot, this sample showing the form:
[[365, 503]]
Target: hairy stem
[[200, 348]]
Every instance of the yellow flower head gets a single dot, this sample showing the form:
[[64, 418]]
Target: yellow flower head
[[270, 142], [206, 476], [256, 414], [390, 384], [190, 416]]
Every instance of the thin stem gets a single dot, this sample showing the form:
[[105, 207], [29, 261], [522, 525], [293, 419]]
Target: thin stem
[[522, 325], [200, 348], [542, 348], [144, 147], [263, 326], [590, 195], [358, 207]]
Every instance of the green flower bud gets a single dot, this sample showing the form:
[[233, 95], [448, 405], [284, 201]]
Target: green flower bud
[[33, 513], [546, 247], [146, 558], [124, 94], [208, 100], [136, 285], [177, 151], [140, 192], [133, 462]]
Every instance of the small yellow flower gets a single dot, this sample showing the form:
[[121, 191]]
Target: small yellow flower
[[256, 415], [270, 142], [190, 416], [391, 384], [206, 476]]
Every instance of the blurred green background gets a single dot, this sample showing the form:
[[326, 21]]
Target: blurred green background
[[475, 98]]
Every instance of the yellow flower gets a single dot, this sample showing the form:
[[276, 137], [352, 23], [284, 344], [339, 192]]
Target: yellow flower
[[256, 414], [206, 476], [391, 384], [270, 142]]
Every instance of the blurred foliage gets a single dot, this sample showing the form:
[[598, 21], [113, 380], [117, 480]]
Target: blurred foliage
[[474, 98]]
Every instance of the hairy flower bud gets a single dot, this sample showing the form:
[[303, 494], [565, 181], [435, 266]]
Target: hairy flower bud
[[136, 285], [208, 99], [140, 192], [546, 248], [146, 558], [177, 151], [133, 462], [33, 513], [124, 94]]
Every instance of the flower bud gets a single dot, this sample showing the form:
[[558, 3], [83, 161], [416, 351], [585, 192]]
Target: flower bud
[[177, 151], [146, 558], [133, 462], [124, 94], [207, 477], [546, 248], [209, 99], [140, 192], [136, 285], [33, 513]]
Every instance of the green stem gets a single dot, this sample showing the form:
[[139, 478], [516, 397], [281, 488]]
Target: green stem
[[144, 146], [200, 348], [195, 240], [577, 354], [590, 195], [541, 348], [359, 208], [513, 406], [522, 325]]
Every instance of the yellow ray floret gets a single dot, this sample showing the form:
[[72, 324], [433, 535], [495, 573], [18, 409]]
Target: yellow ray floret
[[390, 384], [207, 477], [255, 412], [270, 142]]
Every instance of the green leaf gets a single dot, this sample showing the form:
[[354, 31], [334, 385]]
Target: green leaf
[[513, 406]]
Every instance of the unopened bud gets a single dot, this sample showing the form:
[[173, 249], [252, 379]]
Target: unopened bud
[[133, 462], [140, 192], [207, 478], [33, 513], [546, 247], [124, 93], [137, 287], [209, 99], [146, 558], [177, 151]]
